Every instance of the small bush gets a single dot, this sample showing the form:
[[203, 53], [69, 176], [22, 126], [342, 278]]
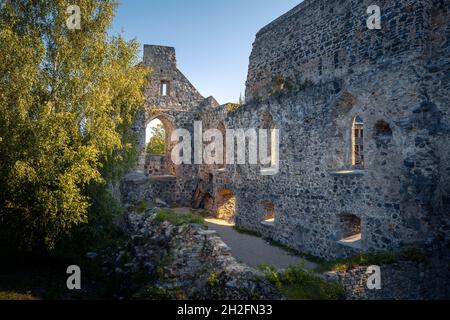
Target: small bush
[[282, 86], [232, 106], [257, 98], [178, 218], [271, 275], [296, 283], [213, 279], [141, 207]]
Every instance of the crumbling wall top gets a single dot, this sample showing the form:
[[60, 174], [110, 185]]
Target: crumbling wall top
[[160, 56]]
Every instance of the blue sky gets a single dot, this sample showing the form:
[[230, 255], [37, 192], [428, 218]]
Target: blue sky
[[213, 38]]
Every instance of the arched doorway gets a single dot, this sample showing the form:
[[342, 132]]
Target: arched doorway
[[226, 205], [155, 138], [158, 146]]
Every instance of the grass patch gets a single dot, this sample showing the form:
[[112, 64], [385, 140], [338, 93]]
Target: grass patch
[[359, 260], [368, 259], [178, 218], [296, 283]]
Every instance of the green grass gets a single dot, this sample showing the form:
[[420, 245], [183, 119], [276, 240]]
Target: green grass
[[368, 259], [296, 283], [178, 218], [359, 260]]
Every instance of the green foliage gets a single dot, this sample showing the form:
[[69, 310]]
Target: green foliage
[[375, 258], [156, 145], [241, 100], [178, 218], [122, 160], [300, 284], [282, 86], [142, 206], [257, 98], [213, 279], [271, 274], [100, 231], [67, 101], [231, 107]]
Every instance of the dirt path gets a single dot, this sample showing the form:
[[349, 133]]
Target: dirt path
[[253, 250]]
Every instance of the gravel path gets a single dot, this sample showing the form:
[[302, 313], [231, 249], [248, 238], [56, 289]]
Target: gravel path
[[253, 250]]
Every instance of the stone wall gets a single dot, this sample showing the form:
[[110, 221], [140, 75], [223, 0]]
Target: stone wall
[[320, 40], [155, 165], [189, 262], [394, 79], [399, 281], [178, 108]]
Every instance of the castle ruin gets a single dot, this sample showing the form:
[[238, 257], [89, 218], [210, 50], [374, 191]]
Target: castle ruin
[[364, 129]]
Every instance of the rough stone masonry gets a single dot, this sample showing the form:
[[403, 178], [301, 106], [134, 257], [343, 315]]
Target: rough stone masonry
[[364, 123]]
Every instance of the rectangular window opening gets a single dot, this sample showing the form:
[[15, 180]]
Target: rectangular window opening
[[164, 88]]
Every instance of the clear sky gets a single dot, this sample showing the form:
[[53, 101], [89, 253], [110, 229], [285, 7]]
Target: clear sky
[[213, 38]]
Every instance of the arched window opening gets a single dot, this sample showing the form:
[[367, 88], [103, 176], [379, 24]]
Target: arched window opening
[[158, 146], [358, 142], [155, 138]]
